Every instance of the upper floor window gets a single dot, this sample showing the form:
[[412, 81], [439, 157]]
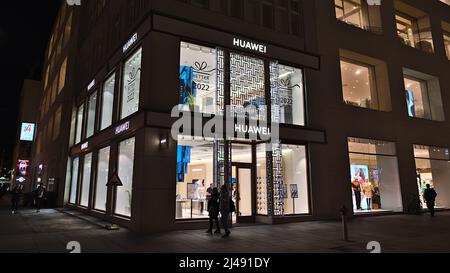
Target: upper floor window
[[364, 81], [107, 102], [446, 34], [423, 95], [445, 2], [131, 85], [79, 126], [413, 27], [359, 14], [92, 107]]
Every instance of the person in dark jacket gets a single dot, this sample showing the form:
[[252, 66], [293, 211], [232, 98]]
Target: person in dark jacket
[[40, 196], [213, 209], [224, 207], [15, 197], [430, 198]]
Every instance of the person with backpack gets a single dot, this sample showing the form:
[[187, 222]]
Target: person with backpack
[[213, 209], [226, 205], [40, 196], [430, 198]]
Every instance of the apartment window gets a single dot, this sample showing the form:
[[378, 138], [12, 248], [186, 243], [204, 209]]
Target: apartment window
[[413, 27], [131, 85], [423, 96], [101, 189], [359, 14], [125, 172], [433, 168], [92, 106], [74, 181], [79, 128], [375, 180], [364, 81], [62, 76], [107, 102]]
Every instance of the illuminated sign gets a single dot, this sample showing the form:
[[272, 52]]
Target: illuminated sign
[[122, 128], [237, 42], [246, 129], [23, 167], [27, 132], [130, 42]]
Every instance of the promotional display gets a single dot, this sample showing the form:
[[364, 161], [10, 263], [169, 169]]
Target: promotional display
[[23, 167], [27, 132]]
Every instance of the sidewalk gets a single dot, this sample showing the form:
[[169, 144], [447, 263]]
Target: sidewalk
[[51, 230]]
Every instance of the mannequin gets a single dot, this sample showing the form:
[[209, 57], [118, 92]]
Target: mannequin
[[368, 193]]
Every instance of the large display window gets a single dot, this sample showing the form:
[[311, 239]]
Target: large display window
[[107, 102], [433, 168], [125, 172], [101, 189], [131, 85], [79, 127], [86, 181], [195, 175], [74, 181], [92, 107], [375, 180]]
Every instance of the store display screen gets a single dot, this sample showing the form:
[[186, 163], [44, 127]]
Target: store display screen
[[361, 172]]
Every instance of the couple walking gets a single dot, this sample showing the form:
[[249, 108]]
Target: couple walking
[[220, 202]]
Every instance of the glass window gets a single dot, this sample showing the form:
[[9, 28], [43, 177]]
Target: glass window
[[414, 31], [288, 96], [423, 96], [360, 14], [74, 181], [79, 129], [445, 1], [447, 43], [433, 168], [62, 76], [195, 173], [198, 79], [131, 85], [375, 180], [125, 172], [101, 189], [92, 106], [358, 85], [86, 181], [107, 102]]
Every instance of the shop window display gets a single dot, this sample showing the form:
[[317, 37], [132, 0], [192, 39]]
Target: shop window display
[[125, 172], [107, 102], [74, 181], [102, 179], [375, 181], [86, 180], [195, 175], [433, 168], [131, 85]]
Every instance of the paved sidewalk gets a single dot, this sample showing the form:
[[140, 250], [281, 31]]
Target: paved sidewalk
[[51, 230]]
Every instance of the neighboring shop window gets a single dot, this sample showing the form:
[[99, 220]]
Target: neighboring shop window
[[198, 79], [125, 172], [107, 102], [79, 129], [288, 95], [195, 174], [92, 106], [295, 179], [433, 168], [360, 14], [101, 189], [86, 180], [375, 180], [131, 85], [423, 96], [74, 181]]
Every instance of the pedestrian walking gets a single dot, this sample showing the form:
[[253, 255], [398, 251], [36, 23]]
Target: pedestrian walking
[[15, 197], [225, 205], [430, 198], [213, 209], [40, 196]]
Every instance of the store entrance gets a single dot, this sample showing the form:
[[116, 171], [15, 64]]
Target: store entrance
[[242, 182]]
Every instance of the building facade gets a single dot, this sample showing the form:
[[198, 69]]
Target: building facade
[[356, 92]]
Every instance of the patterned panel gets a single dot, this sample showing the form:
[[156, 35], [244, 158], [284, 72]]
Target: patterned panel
[[247, 83], [219, 163], [278, 187], [220, 82], [270, 189], [275, 92]]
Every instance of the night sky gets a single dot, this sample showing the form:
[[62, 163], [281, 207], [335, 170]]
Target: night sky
[[25, 27]]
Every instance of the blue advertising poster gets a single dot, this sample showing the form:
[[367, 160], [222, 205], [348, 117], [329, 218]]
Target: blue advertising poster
[[410, 103]]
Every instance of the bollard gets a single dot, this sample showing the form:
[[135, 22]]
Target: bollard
[[344, 223]]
